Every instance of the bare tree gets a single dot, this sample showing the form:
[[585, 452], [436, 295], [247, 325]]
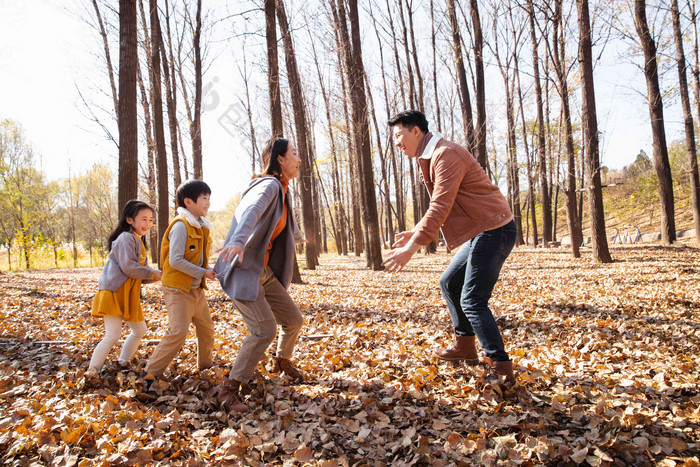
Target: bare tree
[[512, 37], [108, 58], [171, 96], [127, 120], [300, 120], [480, 129], [561, 70], [433, 37], [159, 130], [465, 100], [541, 144], [658, 131], [687, 118], [197, 113], [360, 118], [273, 76], [601, 252]]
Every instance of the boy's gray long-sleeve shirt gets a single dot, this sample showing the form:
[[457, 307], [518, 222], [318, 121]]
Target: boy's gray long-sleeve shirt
[[178, 242], [123, 262]]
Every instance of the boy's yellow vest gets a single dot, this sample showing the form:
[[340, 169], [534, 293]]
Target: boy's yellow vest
[[197, 241]]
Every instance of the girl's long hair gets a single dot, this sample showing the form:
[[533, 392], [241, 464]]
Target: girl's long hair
[[131, 209], [274, 148]]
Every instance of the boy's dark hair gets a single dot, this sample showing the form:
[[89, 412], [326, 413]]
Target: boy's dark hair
[[410, 118], [191, 189], [130, 210]]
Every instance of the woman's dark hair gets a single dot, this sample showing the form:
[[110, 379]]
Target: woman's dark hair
[[410, 118], [191, 189], [274, 148], [131, 209]]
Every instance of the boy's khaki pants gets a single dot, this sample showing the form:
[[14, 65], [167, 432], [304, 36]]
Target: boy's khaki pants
[[184, 308], [274, 306]]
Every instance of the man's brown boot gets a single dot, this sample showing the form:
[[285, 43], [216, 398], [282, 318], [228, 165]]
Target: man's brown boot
[[229, 396], [463, 349], [502, 370]]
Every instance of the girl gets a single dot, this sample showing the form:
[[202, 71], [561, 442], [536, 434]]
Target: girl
[[119, 286], [255, 269]]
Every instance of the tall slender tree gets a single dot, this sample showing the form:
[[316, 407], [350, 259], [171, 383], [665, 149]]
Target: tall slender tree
[[127, 119], [541, 143], [561, 71], [465, 100], [360, 118], [159, 129], [480, 94], [197, 112], [300, 124], [658, 130], [687, 118], [171, 96], [601, 253], [273, 78]]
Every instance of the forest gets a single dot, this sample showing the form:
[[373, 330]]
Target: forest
[[598, 303], [511, 81]]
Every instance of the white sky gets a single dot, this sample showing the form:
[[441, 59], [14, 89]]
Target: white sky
[[44, 51]]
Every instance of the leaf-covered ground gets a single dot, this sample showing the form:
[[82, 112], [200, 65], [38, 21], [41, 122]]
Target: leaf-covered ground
[[607, 360]]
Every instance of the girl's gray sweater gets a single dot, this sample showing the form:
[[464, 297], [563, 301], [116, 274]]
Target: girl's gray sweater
[[123, 262]]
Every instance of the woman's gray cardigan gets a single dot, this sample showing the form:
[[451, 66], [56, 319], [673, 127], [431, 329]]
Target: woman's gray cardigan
[[123, 262], [255, 218]]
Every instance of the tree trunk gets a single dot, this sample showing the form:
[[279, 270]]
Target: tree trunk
[[159, 130], [397, 61], [398, 191], [656, 114], [411, 83], [128, 119], [383, 163], [150, 145], [541, 144], [273, 75], [530, 198], [433, 37], [465, 100], [687, 119], [255, 156], [480, 129], [419, 77], [354, 231], [108, 59], [197, 113], [509, 80], [601, 252], [360, 118], [560, 68], [171, 97], [306, 169]]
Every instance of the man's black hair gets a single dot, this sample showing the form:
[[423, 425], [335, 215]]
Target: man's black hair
[[191, 189], [410, 118]]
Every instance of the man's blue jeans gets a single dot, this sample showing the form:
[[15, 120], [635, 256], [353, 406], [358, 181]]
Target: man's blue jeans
[[467, 284]]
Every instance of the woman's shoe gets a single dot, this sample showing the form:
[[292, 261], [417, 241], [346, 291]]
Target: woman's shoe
[[229, 396], [285, 365]]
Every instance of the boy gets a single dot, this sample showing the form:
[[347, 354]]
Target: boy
[[184, 256]]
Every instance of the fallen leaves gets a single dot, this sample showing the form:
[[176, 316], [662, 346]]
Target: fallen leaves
[[606, 358]]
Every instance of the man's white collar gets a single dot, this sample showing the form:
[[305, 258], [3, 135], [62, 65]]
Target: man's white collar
[[194, 222], [430, 147]]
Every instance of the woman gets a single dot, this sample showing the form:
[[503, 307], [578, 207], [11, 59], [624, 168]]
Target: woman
[[255, 269]]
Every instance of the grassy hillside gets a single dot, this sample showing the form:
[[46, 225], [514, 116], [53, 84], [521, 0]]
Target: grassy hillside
[[632, 201]]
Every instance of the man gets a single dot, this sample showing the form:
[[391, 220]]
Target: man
[[472, 213]]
